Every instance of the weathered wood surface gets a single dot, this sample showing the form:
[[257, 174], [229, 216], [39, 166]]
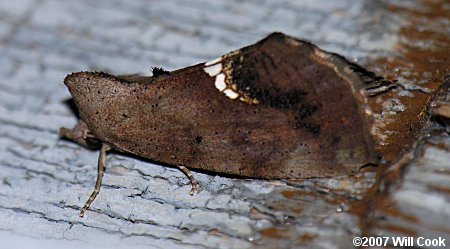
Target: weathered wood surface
[[44, 181]]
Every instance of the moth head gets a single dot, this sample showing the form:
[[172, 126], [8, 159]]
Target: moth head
[[84, 85], [92, 90]]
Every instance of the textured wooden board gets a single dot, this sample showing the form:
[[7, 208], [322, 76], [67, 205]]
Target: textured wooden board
[[44, 181]]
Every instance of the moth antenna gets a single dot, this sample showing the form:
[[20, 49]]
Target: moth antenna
[[195, 186], [100, 170]]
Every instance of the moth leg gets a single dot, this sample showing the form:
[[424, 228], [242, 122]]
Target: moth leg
[[195, 185], [81, 135], [98, 182]]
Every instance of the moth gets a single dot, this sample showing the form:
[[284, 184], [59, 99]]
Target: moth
[[281, 108]]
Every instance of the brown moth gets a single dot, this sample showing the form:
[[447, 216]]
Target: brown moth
[[281, 108]]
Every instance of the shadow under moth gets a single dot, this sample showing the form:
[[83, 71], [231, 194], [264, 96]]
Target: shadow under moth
[[281, 108]]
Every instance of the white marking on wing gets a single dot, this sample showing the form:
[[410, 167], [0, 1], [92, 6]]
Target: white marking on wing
[[220, 82], [231, 94], [213, 70], [212, 62]]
